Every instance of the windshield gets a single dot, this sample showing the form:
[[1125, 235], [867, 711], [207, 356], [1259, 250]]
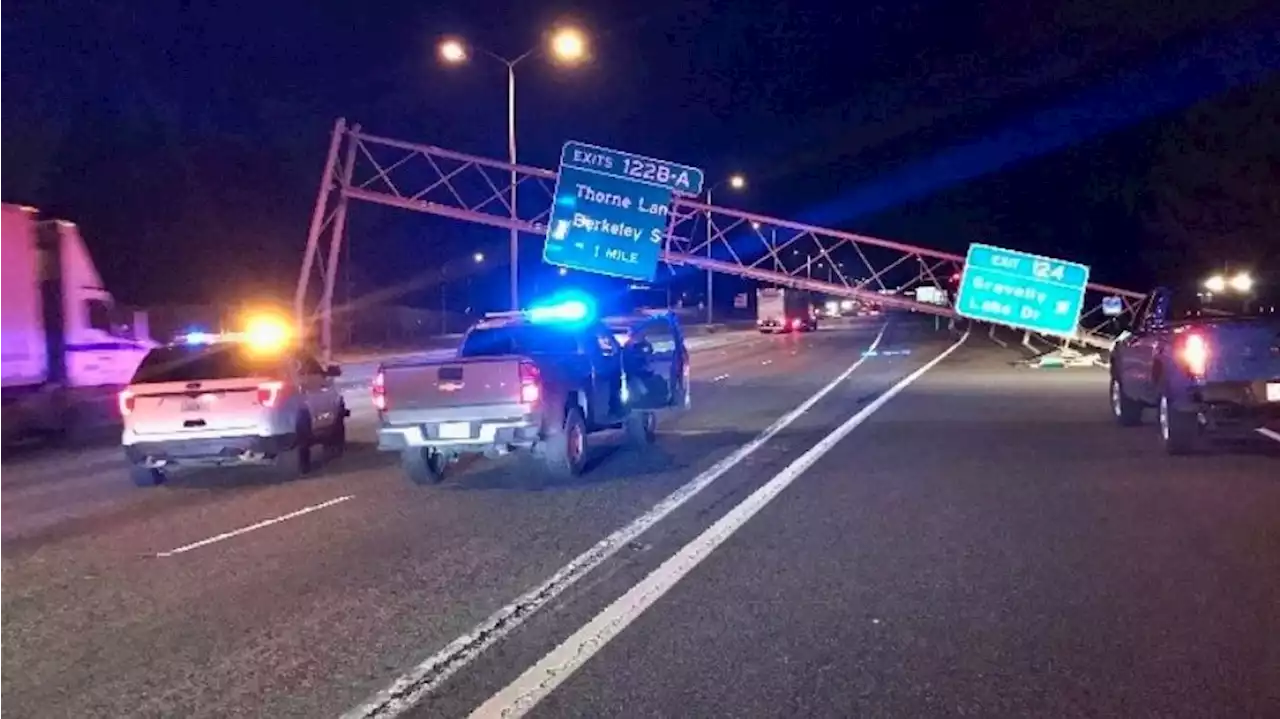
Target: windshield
[[195, 363], [1191, 304], [519, 340]]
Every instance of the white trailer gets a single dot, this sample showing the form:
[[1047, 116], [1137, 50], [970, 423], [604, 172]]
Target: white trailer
[[66, 350]]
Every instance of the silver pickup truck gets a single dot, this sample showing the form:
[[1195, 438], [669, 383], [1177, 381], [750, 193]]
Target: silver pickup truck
[[538, 387]]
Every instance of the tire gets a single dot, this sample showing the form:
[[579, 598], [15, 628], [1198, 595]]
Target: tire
[[564, 454], [642, 428], [424, 466], [297, 462], [1179, 431], [146, 476], [335, 444], [1127, 411]]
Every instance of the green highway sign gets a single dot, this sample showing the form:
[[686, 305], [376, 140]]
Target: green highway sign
[[1021, 290], [612, 209]]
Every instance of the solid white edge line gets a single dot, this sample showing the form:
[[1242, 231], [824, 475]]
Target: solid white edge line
[[1269, 433], [252, 527], [411, 687], [552, 670]]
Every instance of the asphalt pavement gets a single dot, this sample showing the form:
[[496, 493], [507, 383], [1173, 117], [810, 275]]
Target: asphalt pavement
[[988, 543], [985, 542], [312, 614]]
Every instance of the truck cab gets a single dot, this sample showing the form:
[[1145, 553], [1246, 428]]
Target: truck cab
[[67, 346]]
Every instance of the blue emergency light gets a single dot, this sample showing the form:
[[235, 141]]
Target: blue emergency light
[[199, 338], [565, 308]]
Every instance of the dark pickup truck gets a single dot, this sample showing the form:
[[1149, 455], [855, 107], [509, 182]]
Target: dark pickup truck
[[541, 387], [1209, 363]]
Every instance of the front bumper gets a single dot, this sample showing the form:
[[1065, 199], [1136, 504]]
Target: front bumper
[[244, 449]]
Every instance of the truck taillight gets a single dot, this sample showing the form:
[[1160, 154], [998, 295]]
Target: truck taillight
[[126, 400], [1195, 354], [530, 383], [379, 390], [795, 323], [269, 393]]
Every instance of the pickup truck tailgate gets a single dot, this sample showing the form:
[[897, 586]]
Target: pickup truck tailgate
[[471, 382], [1243, 350]]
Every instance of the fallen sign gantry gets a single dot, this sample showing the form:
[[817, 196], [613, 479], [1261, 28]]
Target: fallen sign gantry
[[434, 180]]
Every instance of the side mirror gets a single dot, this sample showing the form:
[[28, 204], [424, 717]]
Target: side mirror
[[333, 370]]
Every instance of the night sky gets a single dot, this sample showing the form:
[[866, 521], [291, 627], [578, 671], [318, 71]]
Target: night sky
[[1138, 136]]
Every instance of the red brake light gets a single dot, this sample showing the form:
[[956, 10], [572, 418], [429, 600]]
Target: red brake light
[[379, 389], [126, 400], [269, 393], [1195, 354], [530, 383], [795, 323]]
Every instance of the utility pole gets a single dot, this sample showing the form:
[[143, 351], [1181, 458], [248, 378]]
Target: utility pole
[[710, 287]]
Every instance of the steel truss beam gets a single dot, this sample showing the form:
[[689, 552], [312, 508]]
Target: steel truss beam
[[430, 179]]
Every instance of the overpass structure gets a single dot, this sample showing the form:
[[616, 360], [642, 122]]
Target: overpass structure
[[438, 181]]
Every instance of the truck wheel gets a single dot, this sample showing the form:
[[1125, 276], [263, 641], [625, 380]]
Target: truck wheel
[[565, 453], [1127, 411], [143, 476], [642, 428], [335, 444], [1179, 431], [296, 462], [424, 466]]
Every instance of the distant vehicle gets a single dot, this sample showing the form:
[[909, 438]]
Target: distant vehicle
[[784, 310], [931, 294], [217, 400], [66, 348], [539, 382], [1208, 362]]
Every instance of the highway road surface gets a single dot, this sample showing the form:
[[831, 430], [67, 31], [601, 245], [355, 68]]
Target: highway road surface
[[863, 521]]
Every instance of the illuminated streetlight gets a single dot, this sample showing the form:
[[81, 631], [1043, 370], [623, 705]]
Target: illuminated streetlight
[[755, 225], [478, 257], [453, 51], [567, 45], [737, 182], [563, 271]]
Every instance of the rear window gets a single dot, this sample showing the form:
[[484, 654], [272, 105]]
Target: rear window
[[519, 340], [197, 363], [1193, 304]]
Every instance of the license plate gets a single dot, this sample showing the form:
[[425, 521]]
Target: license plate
[[192, 405], [1273, 391], [455, 430]]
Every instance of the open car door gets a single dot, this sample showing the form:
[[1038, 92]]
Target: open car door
[[656, 364]]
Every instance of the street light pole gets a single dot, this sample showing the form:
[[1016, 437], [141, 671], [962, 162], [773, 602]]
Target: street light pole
[[567, 44], [515, 213], [709, 282]]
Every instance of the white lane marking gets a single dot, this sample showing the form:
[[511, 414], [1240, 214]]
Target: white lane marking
[[424, 678], [251, 527], [1269, 433], [542, 678], [720, 377]]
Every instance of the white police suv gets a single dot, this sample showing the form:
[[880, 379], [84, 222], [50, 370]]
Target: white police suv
[[230, 400]]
